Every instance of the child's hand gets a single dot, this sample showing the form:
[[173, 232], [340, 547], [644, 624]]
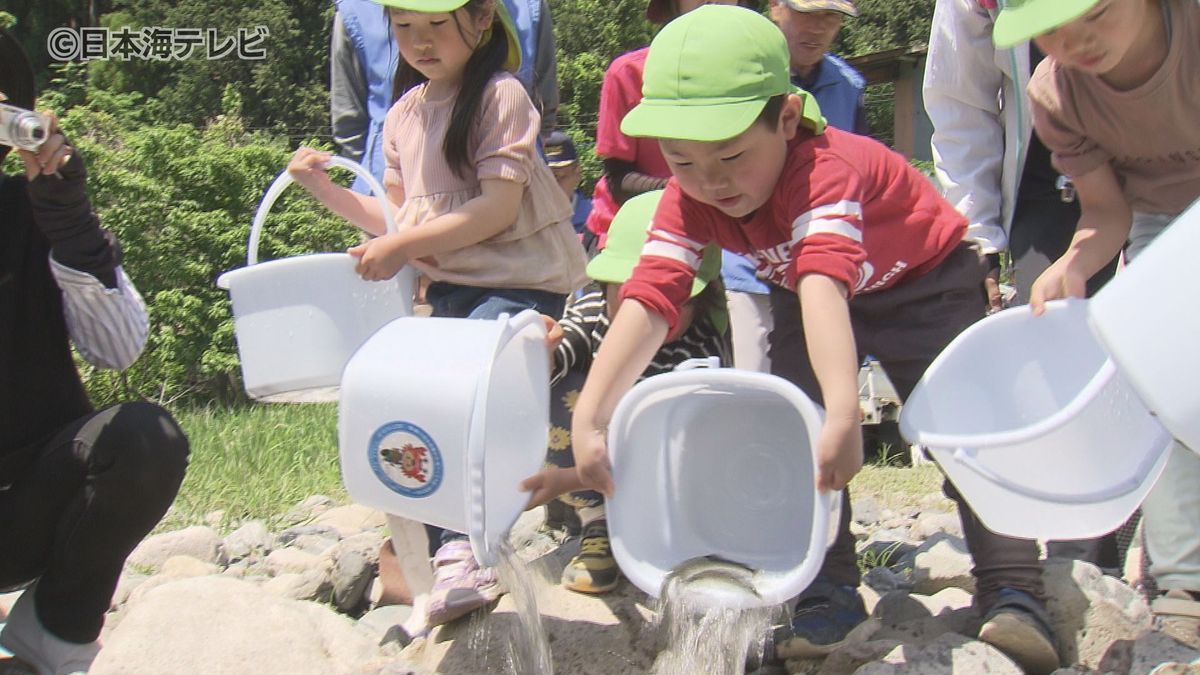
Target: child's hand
[[547, 484], [554, 333], [1060, 280], [590, 447], [839, 452], [307, 167], [379, 259]]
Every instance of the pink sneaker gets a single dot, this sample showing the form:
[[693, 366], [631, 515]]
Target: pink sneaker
[[460, 586]]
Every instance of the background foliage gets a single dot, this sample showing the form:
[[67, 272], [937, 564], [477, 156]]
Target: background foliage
[[180, 152]]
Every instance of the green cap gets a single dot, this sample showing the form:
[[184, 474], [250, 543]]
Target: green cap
[[511, 64], [1022, 20], [709, 73], [626, 236]]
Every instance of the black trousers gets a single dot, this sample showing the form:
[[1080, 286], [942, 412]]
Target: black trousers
[[906, 327], [83, 502], [1042, 229]]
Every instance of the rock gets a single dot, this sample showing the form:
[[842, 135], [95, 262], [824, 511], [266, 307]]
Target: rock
[[898, 607], [845, 660], [929, 524], [866, 510], [1091, 611], [948, 655], [352, 571], [883, 580], [201, 543], [184, 566], [251, 540], [942, 562], [175, 630], [380, 621], [214, 518], [314, 544], [351, 520], [289, 536], [1156, 648], [125, 586], [307, 510], [312, 584], [887, 548], [285, 560]]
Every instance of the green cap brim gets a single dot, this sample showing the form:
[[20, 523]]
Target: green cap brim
[[512, 64], [626, 236], [692, 120], [707, 120], [427, 6], [1017, 24]]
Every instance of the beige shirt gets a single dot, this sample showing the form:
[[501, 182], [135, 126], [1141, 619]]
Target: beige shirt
[[540, 250], [1150, 134]]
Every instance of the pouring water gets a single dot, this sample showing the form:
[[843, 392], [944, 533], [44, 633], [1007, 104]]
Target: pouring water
[[710, 618]]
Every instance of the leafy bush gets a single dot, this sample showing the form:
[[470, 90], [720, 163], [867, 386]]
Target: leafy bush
[[181, 199]]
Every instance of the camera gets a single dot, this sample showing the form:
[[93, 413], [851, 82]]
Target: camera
[[22, 128]]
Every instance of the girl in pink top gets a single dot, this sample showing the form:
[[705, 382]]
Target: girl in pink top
[[632, 165], [477, 211]]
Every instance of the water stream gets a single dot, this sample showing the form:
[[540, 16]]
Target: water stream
[[708, 621], [527, 648]]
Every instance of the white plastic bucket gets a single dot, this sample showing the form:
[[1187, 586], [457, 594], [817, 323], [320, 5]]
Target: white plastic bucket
[[719, 462], [441, 419], [1143, 317], [299, 319], [1035, 427]]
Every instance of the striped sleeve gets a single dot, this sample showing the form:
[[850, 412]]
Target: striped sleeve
[[108, 325], [584, 324], [827, 225], [662, 280]]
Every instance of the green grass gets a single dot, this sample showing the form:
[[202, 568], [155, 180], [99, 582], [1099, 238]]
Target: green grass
[[895, 487], [256, 462]]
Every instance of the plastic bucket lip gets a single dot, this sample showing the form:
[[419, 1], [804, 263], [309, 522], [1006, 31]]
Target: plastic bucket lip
[[773, 586], [1005, 504], [487, 530], [1103, 375]]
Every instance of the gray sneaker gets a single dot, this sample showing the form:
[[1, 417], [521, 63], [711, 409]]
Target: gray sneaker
[[1017, 624]]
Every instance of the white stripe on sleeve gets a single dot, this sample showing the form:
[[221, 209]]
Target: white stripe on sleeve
[[667, 249], [108, 325], [829, 219]]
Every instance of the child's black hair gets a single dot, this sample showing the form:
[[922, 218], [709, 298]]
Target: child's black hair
[[771, 111], [16, 77], [485, 61]]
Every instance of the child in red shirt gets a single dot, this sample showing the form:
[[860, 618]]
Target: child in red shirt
[[864, 257]]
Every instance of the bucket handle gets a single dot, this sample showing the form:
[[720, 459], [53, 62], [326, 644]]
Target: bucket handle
[[474, 496], [285, 179], [968, 458], [699, 362]]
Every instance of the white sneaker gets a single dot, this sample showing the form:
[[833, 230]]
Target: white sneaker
[[25, 637]]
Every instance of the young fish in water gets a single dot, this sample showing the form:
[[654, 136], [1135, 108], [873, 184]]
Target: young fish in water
[[711, 581]]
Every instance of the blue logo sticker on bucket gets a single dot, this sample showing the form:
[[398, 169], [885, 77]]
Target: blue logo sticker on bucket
[[406, 459]]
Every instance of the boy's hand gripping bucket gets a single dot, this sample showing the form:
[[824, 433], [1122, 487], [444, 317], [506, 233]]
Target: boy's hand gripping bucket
[[719, 462], [440, 420], [1033, 424], [1142, 317], [299, 319]]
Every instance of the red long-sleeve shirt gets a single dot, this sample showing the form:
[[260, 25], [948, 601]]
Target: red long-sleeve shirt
[[845, 206]]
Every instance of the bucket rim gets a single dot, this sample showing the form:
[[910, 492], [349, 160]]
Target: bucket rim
[[779, 586]]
